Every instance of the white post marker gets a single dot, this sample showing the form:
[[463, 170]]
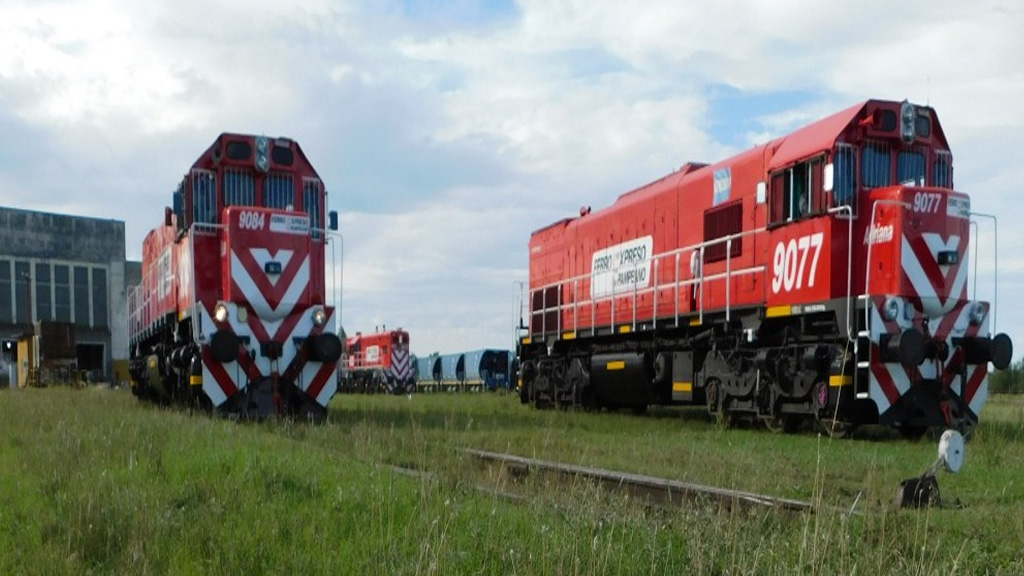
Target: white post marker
[[951, 452], [923, 491]]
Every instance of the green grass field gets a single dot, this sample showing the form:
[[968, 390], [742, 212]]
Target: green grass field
[[92, 482]]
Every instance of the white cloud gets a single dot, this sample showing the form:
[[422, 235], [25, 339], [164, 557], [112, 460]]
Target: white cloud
[[445, 142], [445, 272]]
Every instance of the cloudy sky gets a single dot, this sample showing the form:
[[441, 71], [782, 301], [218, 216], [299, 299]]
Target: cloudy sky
[[446, 131]]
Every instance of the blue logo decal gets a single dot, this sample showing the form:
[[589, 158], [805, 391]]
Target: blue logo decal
[[723, 185]]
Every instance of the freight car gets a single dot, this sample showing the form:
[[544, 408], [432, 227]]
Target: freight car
[[231, 312], [821, 277], [485, 369], [379, 362]]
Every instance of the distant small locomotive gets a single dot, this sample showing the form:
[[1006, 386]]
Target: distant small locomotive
[[232, 311], [820, 277], [379, 362]]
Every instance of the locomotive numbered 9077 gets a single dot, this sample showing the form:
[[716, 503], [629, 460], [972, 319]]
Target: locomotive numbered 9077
[[231, 311], [820, 277]]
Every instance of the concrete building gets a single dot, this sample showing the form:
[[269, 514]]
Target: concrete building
[[56, 267]]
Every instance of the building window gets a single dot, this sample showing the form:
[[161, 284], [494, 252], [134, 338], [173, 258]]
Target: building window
[[61, 294], [81, 296], [44, 309], [22, 291], [99, 298], [6, 295]]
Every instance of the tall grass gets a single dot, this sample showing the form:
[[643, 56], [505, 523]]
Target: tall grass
[[92, 482]]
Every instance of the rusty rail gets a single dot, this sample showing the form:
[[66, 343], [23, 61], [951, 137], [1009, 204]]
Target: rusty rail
[[659, 490]]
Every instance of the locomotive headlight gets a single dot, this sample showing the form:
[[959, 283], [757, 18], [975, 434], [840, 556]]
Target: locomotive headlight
[[319, 317], [220, 312], [977, 313], [262, 150], [891, 308], [908, 117]]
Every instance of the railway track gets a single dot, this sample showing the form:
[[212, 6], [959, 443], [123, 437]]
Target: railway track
[[662, 491]]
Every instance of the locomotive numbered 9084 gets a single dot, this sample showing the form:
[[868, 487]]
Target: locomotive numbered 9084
[[820, 277], [232, 311]]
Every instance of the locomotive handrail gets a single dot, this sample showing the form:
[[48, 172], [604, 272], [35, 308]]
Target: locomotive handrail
[[593, 301], [337, 273], [995, 262], [699, 280]]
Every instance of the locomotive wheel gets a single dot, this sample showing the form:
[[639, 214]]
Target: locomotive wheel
[[524, 393], [574, 385], [766, 410], [711, 396], [715, 404]]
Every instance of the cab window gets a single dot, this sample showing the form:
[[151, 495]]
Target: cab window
[[943, 176], [204, 197], [239, 189], [910, 167], [844, 173], [278, 191], [311, 198], [876, 165], [797, 191]]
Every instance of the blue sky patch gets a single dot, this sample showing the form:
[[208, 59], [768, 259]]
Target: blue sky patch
[[735, 114], [454, 14]]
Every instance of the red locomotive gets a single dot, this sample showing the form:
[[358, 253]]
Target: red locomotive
[[231, 311], [379, 362], [822, 276]]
